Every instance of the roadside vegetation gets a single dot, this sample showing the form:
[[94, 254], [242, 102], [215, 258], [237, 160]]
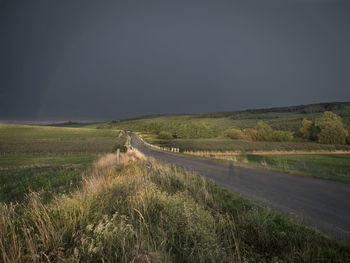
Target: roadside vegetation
[[144, 211], [222, 144], [334, 167], [48, 159]]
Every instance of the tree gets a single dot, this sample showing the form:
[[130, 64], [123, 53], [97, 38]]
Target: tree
[[264, 131], [305, 129], [251, 134], [331, 129]]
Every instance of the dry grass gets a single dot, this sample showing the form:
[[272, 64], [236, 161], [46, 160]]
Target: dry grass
[[38, 235]]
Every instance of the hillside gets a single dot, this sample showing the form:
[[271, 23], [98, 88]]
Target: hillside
[[211, 125]]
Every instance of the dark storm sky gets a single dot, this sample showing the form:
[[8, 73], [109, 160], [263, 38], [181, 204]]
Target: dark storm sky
[[100, 60]]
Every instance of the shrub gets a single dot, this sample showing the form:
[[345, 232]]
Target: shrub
[[305, 129], [264, 131], [234, 134], [165, 135], [251, 134], [282, 136], [331, 129]]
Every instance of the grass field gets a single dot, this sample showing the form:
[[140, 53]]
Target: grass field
[[38, 139], [143, 211], [324, 166], [48, 159]]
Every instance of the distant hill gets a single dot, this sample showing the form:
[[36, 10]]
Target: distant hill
[[210, 125]]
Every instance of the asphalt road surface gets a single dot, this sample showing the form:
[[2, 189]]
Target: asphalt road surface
[[322, 204]]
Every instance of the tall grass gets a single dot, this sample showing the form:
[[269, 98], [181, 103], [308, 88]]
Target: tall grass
[[143, 211]]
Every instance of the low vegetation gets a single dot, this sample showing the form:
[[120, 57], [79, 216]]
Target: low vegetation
[[143, 211], [334, 167], [39, 139], [48, 159], [165, 135], [46, 173]]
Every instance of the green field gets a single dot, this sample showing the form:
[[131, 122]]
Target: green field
[[48, 159], [39, 139], [324, 166], [144, 211]]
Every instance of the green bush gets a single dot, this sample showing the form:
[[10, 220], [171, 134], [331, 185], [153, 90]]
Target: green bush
[[282, 136], [165, 135], [251, 134], [264, 131], [234, 134], [331, 128], [305, 129]]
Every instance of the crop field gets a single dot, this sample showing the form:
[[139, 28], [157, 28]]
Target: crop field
[[48, 159], [145, 211]]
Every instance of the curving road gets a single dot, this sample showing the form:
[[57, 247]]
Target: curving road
[[320, 203]]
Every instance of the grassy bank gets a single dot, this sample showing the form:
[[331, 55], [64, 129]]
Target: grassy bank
[[143, 211], [48, 159]]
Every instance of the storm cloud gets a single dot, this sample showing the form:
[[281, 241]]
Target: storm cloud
[[103, 60]]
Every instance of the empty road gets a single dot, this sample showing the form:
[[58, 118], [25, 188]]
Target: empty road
[[320, 203]]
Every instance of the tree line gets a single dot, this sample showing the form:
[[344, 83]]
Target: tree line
[[327, 129]]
